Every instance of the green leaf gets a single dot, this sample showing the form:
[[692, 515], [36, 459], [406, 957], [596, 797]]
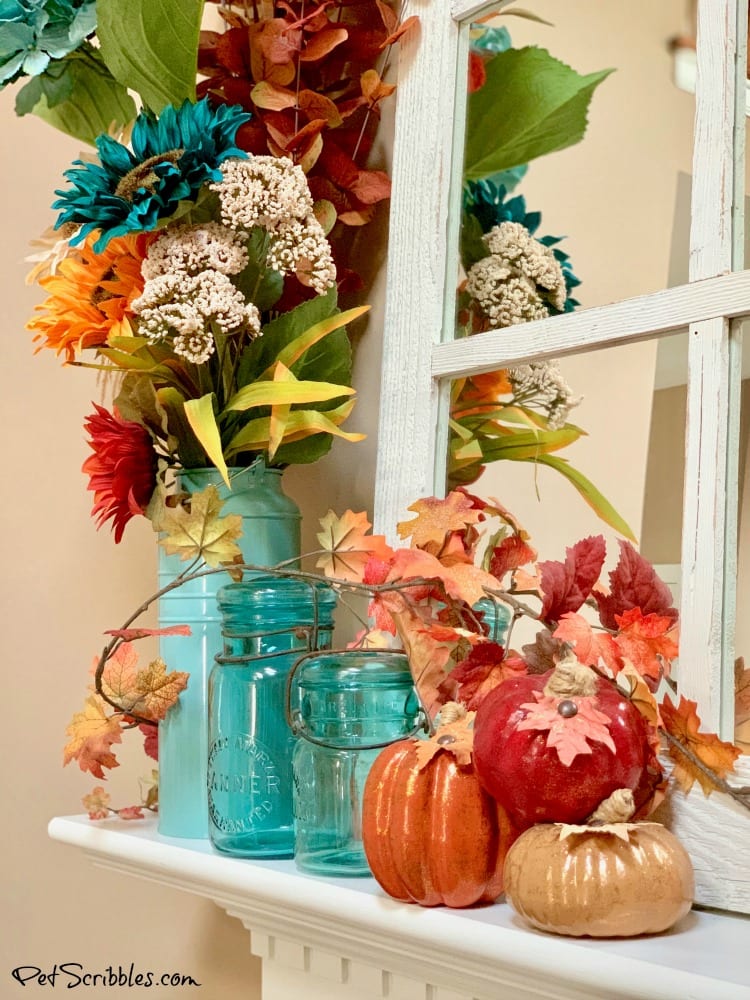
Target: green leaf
[[190, 452], [151, 46], [529, 445], [596, 500], [473, 248], [531, 104], [263, 351], [274, 393], [292, 353], [258, 282], [200, 415], [301, 424], [79, 97]]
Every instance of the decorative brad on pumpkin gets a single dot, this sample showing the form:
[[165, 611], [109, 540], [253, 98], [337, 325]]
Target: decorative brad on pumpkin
[[609, 878], [431, 833], [551, 747]]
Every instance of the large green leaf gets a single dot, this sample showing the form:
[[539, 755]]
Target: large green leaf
[[529, 445], [596, 500], [151, 46], [263, 351], [78, 95], [282, 393], [531, 104], [201, 417]]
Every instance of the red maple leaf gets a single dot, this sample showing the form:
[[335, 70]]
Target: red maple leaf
[[566, 585], [648, 641], [481, 672], [150, 740], [511, 553], [634, 584]]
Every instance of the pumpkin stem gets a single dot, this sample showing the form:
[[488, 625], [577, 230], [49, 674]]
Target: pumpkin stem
[[571, 678], [452, 711], [618, 808]]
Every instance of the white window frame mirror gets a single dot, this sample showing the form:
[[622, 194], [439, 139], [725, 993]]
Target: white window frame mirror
[[421, 356]]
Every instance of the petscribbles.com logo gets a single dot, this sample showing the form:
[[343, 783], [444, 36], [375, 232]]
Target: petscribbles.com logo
[[72, 974]]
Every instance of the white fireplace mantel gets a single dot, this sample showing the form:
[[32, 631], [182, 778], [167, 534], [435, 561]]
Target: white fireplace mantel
[[344, 939]]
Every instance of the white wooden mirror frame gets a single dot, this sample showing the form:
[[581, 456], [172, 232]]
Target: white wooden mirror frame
[[420, 357]]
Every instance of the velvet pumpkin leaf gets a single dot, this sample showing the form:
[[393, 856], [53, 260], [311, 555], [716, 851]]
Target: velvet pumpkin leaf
[[568, 735], [456, 738], [151, 47], [197, 530], [541, 102]]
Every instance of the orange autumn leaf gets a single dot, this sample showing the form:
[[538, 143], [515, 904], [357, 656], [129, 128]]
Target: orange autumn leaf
[[648, 641], [347, 546], [591, 646], [568, 735], [158, 690], [683, 724], [96, 803], [437, 518], [92, 733], [455, 737], [463, 581], [631, 682], [148, 692], [201, 531]]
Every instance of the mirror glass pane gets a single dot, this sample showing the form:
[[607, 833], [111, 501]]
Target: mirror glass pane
[[618, 201]]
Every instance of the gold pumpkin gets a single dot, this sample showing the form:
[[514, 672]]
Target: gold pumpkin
[[617, 879]]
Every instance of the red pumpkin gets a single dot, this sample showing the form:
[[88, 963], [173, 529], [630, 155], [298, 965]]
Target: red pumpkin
[[550, 750], [431, 834]]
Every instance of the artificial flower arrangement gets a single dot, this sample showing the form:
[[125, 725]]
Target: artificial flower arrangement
[[301, 83]]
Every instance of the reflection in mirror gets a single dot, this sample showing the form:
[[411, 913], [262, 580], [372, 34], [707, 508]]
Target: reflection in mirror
[[603, 177]]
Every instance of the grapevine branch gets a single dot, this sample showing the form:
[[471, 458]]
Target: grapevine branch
[[740, 795]]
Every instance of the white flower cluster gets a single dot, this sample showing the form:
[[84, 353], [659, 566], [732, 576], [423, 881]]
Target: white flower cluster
[[192, 249], [519, 280], [188, 293], [272, 193], [542, 383]]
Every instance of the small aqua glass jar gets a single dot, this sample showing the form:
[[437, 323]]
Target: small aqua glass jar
[[496, 619], [352, 703], [267, 623]]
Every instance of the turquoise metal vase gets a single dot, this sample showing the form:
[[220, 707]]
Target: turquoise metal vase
[[270, 535]]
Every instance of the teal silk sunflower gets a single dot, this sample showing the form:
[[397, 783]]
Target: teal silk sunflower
[[172, 157], [34, 32]]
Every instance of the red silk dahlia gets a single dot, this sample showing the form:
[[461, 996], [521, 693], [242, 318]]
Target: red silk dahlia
[[122, 470]]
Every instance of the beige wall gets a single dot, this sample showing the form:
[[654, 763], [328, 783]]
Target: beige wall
[[64, 583]]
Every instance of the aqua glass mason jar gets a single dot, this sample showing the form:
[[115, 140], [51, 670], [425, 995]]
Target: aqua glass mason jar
[[267, 623], [351, 704], [497, 617]]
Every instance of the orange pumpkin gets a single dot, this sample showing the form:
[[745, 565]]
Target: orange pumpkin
[[431, 834]]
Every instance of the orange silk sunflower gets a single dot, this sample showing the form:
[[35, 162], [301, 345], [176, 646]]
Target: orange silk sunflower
[[90, 296]]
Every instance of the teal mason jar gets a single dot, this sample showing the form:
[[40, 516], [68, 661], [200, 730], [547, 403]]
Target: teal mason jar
[[496, 619], [267, 623], [351, 704]]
